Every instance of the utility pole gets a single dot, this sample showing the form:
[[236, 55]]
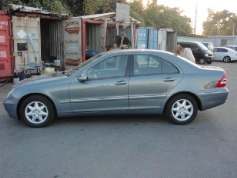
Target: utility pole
[[233, 32], [195, 23]]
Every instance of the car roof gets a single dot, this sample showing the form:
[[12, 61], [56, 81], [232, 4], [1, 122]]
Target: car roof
[[127, 51], [207, 42], [188, 42], [232, 45], [222, 47], [229, 49]]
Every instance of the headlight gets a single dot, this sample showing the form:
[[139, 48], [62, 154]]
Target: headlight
[[206, 55]]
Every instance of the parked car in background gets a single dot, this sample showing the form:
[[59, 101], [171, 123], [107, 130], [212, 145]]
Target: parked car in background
[[234, 47], [224, 54], [201, 53], [209, 45], [120, 82]]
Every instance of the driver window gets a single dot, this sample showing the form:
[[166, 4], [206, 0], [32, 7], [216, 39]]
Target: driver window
[[111, 67]]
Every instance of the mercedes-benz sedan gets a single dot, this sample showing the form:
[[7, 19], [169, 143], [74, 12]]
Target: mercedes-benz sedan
[[120, 82]]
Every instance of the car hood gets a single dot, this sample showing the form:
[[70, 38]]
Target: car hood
[[208, 52], [41, 79]]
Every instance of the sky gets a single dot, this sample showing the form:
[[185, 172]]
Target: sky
[[189, 7]]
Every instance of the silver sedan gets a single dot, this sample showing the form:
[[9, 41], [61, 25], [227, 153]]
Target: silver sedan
[[120, 82]]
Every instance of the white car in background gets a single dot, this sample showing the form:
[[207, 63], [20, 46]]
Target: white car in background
[[224, 54], [234, 47]]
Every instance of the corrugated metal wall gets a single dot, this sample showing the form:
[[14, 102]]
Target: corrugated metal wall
[[5, 56], [222, 40], [93, 37]]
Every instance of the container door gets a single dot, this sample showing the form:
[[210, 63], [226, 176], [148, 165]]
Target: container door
[[171, 41], [27, 43], [5, 58], [72, 42], [162, 40], [153, 39], [142, 35]]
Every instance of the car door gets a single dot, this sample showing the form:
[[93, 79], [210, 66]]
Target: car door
[[217, 54], [220, 53], [106, 88], [150, 81]]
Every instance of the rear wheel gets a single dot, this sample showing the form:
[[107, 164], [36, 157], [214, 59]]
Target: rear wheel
[[181, 109], [226, 59], [37, 111]]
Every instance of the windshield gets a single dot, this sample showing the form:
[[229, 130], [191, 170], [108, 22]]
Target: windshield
[[73, 70], [202, 46]]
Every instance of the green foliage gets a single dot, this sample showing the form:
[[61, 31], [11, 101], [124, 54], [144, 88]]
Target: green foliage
[[166, 17], [56, 5], [220, 23], [100, 6], [137, 10], [4, 3]]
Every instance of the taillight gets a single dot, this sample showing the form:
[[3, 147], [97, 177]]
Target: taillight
[[222, 82]]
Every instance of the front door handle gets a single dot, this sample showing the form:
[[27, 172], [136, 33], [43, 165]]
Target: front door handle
[[121, 82]]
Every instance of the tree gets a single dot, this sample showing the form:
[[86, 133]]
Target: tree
[[56, 5], [166, 17], [101, 6], [220, 23], [137, 10]]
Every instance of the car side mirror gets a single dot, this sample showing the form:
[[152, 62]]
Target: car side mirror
[[82, 78]]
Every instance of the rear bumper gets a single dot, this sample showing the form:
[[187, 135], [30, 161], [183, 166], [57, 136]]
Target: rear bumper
[[213, 99]]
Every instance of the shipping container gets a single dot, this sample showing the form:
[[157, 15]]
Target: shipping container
[[6, 69]]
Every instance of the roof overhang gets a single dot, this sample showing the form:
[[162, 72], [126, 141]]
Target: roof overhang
[[19, 10]]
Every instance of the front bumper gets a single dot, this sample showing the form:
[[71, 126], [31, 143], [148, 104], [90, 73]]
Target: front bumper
[[210, 59], [11, 108]]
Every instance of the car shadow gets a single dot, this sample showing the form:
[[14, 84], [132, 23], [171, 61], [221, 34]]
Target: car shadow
[[110, 119]]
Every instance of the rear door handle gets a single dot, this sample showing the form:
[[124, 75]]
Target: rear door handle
[[121, 82], [169, 79]]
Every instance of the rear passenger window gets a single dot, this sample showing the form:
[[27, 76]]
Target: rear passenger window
[[152, 65], [168, 68], [146, 65]]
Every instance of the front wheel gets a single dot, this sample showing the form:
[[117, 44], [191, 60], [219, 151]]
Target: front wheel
[[37, 111], [209, 61], [181, 109]]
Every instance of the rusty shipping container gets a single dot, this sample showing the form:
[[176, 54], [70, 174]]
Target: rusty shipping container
[[6, 69]]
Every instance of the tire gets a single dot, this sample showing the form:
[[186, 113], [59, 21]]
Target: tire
[[202, 61], [37, 111], [226, 59], [209, 62], [181, 109]]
